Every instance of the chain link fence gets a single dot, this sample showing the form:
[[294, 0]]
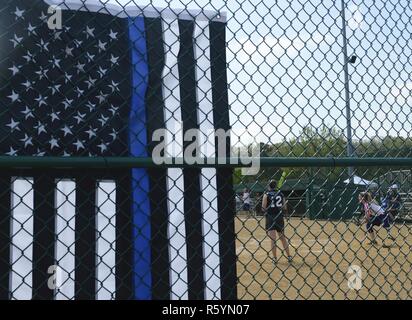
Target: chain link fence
[[126, 126]]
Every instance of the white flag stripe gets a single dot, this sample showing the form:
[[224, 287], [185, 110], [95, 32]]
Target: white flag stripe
[[210, 225], [106, 240], [210, 231], [127, 8], [22, 203], [171, 90], [65, 200], [174, 147]]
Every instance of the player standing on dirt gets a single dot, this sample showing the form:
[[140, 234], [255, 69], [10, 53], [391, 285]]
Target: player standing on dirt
[[246, 200], [274, 204], [392, 202], [375, 216]]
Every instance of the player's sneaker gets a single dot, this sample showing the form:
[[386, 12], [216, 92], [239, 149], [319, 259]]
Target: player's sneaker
[[374, 242], [290, 259], [274, 261]]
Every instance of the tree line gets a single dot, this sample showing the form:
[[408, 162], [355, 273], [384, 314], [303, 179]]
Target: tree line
[[326, 142]]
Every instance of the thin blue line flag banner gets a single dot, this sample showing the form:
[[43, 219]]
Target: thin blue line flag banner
[[81, 78]]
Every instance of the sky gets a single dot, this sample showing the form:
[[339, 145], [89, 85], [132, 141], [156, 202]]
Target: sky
[[285, 65]]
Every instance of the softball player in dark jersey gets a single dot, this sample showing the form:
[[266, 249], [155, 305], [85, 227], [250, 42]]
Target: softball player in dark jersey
[[274, 205]]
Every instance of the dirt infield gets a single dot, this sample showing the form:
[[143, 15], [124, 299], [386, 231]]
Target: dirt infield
[[322, 253]]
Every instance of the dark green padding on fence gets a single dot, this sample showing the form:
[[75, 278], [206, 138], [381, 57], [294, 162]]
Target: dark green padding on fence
[[133, 162], [333, 202]]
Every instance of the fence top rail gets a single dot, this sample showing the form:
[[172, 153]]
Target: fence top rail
[[22, 162]]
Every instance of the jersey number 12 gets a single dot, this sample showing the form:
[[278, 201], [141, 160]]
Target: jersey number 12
[[276, 202]]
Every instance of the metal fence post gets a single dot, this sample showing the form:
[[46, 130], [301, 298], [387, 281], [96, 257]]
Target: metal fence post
[[347, 94]]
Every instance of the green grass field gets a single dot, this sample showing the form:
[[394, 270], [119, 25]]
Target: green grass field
[[322, 253]]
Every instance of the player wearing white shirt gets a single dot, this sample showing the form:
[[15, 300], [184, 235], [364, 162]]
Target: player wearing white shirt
[[375, 216]]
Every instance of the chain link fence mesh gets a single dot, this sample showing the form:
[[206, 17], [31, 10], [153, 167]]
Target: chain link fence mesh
[[286, 79]]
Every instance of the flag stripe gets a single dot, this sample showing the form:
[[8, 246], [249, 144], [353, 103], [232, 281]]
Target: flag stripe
[[85, 272], [125, 237], [138, 142], [44, 235], [192, 195], [106, 240], [224, 176], [208, 175], [65, 239], [160, 264], [5, 240], [21, 238], [174, 148]]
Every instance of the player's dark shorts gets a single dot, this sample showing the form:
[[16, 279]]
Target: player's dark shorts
[[378, 220], [275, 222], [246, 207], [394, 212]]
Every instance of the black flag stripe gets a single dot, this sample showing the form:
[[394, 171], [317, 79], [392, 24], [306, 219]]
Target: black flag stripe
[[192, 194], [226, 196], [85, 247], [5, 240], [43, 234], [124, 238], [157, 193]]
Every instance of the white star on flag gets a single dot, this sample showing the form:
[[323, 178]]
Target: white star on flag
[[16, 40], [14, 125], [89, 32], [40, 128], [113, 35], [54, 143], [15, 70], [12, 152], [28, 113], [103, 147], [79, 145], [19, 13], [91, 132], [14, 96], [66, 130], [28, 141]]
